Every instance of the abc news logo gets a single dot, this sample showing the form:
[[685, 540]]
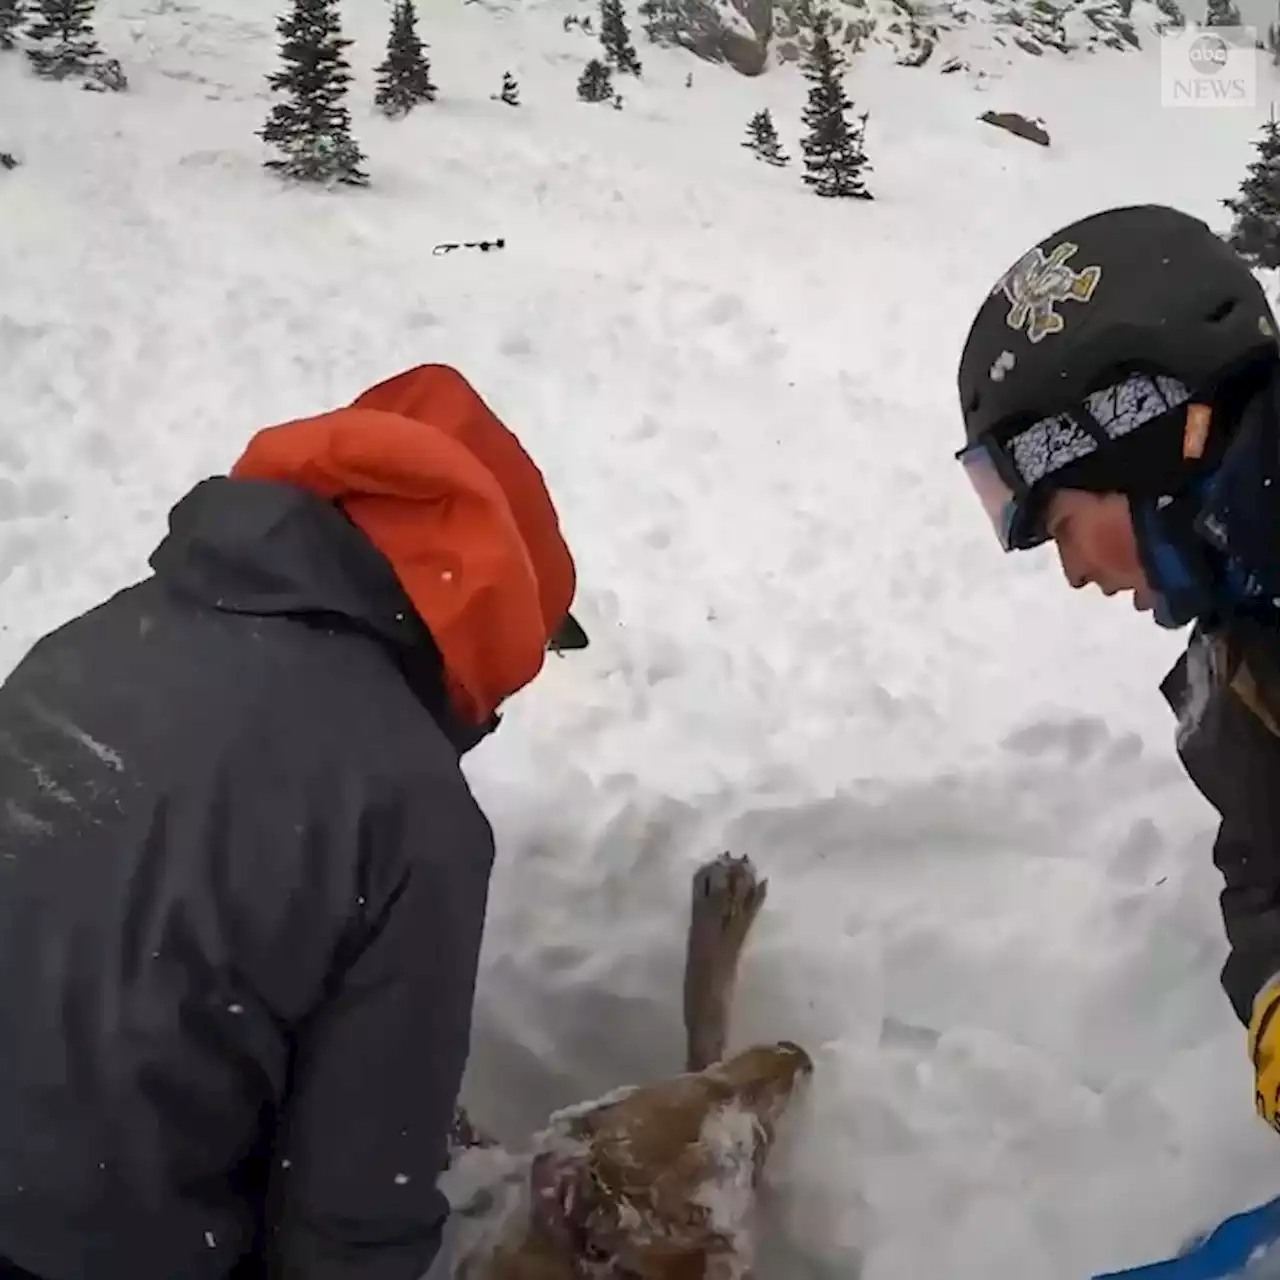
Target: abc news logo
[[1209, 69]]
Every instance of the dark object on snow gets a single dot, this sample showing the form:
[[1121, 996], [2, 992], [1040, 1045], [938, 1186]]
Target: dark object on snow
[[106, 76], [7, 161], [404, 76], [1032, 130], [1255, 229], [510, 92], [311, 128], [834, 158], [242, 877], [596, 82], [484, 246]]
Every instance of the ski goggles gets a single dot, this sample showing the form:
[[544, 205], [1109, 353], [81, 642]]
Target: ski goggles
[[1007, 467]]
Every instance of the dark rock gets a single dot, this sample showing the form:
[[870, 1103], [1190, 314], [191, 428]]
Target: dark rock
[[1032, 130]]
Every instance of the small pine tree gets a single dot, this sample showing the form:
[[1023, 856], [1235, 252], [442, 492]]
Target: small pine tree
[[11, 16], [510, 93], [404, 76], [615, 39], [762, 139], [833, 153], [1222, 13], [661, 21], [312, 127], [596, 82], [62, 33], [1255, 229]]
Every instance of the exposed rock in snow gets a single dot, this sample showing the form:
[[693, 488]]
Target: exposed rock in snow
[[750, 35]]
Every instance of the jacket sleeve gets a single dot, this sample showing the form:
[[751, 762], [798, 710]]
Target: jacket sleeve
[[1250, 903], [1231, 751], [378, 1066]]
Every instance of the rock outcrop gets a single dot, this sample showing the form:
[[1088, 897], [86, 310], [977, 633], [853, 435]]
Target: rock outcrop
[[751, 35]]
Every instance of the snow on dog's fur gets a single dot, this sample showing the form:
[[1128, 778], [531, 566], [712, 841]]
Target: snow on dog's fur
[[652, 1182]]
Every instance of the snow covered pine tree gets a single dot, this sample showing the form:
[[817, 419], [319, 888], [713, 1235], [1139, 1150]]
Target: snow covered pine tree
[[11, 16], [1222, 13], [596, 82], [833, 155], [615, 38], [404, 76], [312, 127], [661, 21], [762, 139], [64, 44], [1255, 230]]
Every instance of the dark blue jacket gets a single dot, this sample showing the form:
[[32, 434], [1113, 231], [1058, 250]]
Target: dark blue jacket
[[242, 888]]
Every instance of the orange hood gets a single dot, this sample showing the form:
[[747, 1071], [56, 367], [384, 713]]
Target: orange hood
[[448, 495]]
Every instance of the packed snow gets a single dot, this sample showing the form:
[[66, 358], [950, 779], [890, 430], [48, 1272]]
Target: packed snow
[[992, 916]]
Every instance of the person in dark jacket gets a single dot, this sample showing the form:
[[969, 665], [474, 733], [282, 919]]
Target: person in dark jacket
[[242, 877], [1120, 388]]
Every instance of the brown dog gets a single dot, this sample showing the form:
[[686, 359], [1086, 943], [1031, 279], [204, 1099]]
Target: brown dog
[[656, 1182]]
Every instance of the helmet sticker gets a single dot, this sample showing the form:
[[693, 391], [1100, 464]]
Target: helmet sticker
[[1036, 282], [1003, 363]]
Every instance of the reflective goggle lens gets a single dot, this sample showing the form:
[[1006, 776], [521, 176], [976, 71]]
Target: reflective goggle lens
[[998, 499]]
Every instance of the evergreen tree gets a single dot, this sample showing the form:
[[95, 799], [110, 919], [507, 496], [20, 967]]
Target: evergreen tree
[[596, 82], [311, 128], [62, 32], [1255, 229], [510, 93], [762, 139], [1222, 13], [833, 155], [661, 20], [615, 39], [404, 76], [11, 16]]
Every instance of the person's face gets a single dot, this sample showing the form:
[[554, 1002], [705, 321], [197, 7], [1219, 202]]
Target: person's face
[[1096, 544]]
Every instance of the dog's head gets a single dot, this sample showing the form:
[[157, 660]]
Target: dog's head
[[658, 1183]]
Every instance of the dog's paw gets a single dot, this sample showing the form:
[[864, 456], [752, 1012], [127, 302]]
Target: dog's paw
[[728, 893]]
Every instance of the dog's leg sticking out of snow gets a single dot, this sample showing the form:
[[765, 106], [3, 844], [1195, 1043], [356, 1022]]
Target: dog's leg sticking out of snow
[[656, 1182]]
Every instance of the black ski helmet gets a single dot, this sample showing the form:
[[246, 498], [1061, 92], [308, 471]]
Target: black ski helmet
[[1142, 303]]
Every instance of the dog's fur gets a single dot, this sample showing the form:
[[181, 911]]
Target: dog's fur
[[650, 1183]]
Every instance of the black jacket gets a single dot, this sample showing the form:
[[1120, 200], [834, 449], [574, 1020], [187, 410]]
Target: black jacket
[[1225, 691], [242, 887]]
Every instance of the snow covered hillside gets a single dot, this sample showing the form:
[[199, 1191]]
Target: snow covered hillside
[[992, 914]]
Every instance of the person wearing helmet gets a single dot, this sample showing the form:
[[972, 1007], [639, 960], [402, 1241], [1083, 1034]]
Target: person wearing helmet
[[1120, 388]]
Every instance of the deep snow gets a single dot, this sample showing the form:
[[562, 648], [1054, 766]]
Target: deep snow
[[992, 914]]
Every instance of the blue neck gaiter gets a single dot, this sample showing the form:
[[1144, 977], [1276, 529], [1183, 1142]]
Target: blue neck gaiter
[[1213, 549]]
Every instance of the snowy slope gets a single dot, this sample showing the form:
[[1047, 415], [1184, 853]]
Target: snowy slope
[[992, 914]]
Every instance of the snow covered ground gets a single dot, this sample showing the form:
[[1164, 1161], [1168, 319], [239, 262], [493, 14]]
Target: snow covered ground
[[992, 913]]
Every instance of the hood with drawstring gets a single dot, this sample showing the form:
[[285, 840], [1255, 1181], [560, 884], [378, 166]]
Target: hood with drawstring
[[449, 496]]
